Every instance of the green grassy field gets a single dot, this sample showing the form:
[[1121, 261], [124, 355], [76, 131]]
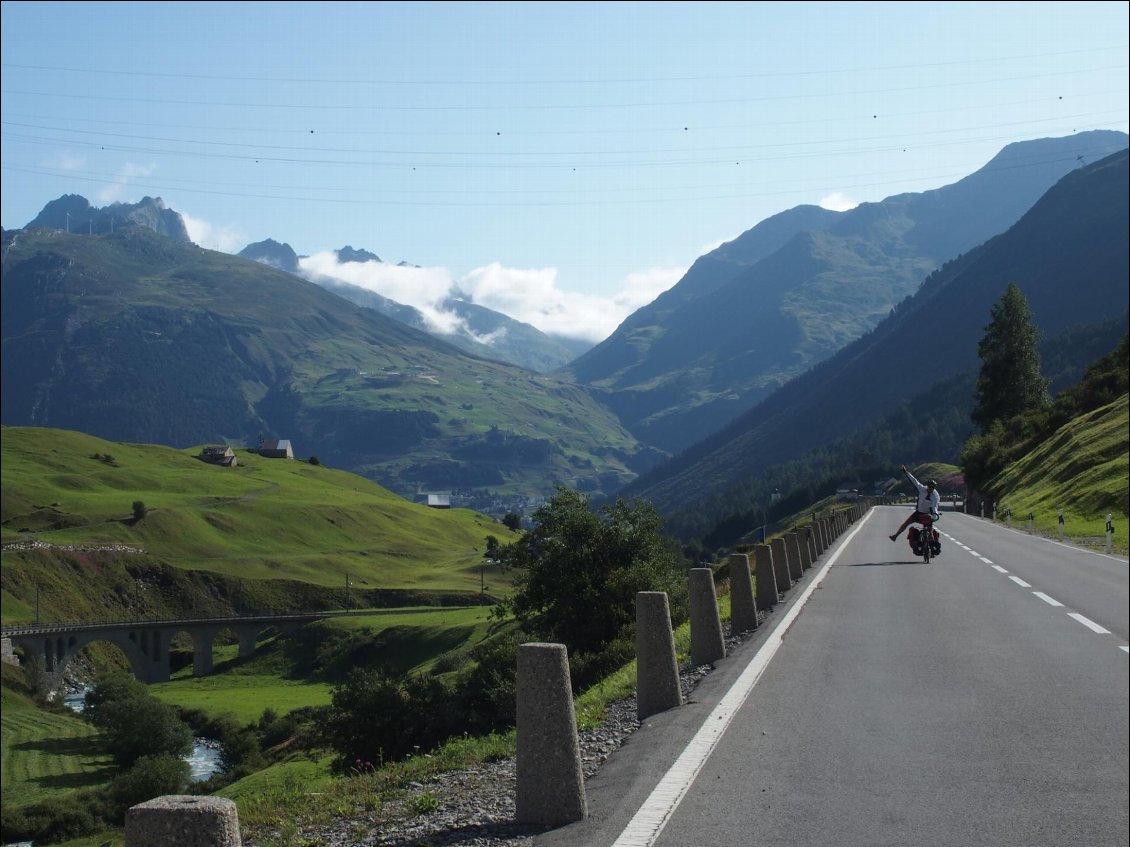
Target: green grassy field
[[1083, 470], [46, 753], [289, 673], [265, 521]]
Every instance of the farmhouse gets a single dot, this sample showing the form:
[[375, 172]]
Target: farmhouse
[[278, 448], [219, 456]]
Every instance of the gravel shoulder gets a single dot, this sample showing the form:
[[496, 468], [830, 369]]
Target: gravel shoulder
[[475, 807]]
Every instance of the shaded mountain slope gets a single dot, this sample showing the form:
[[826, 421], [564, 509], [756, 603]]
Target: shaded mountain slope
[[1069, 256], [743, 321], [134, 337]]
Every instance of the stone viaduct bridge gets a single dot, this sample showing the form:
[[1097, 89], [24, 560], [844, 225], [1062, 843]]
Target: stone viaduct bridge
[[145, 643]]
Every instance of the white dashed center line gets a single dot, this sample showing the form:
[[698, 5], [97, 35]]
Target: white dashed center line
[[1051, 601], [1090, 624]]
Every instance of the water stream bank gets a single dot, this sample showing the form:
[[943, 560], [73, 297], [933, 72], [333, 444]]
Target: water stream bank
[[203, 761]]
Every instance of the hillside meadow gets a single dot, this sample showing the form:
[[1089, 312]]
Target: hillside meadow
[[263, 531], [1082, 470], [45, 753], [301, 669]]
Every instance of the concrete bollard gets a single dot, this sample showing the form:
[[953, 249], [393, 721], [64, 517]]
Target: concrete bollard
[[792, 552], [743, 614], [818, 538], [183, 820], [810, 538], [657, 668], [803, 550], [550, 788], [766, 579], [781, 565], [707, 643]]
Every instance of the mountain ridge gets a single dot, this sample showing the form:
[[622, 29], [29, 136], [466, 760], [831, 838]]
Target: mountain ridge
[[131, 336], [731, 342], [1077, 232]]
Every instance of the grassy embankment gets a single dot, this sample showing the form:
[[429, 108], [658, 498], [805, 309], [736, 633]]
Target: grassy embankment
[[287, 673], [44, 753], [1083, 469], [269, 535]]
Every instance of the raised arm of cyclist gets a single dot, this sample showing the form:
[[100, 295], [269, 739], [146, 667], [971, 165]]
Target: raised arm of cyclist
[[928, 502]]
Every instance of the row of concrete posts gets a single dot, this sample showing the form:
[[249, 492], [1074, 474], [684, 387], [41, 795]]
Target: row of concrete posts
[[550, 788]]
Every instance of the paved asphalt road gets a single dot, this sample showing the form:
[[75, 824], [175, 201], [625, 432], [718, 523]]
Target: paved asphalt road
[[978, 700]]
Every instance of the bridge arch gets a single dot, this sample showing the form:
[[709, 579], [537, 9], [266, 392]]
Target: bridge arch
[[57, 651], [146, 644]]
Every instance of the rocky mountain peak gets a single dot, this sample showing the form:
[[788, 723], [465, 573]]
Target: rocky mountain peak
[[73, 213], [348, 254], [273, 254]]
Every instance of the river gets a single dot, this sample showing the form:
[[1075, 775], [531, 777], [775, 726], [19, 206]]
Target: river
[[203, 761]]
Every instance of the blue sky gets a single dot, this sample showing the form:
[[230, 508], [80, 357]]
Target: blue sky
[[560, 162]]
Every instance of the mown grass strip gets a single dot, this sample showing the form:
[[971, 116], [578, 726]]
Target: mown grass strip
[[45, 753]]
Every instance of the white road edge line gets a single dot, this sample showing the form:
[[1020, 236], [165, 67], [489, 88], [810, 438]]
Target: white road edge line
[[986, 561], [1050, 601], [648, 822], [999, 568], [1090, 624], [1020, 582]]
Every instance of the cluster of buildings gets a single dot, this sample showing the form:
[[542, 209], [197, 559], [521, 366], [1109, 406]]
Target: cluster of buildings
[[279, 448]]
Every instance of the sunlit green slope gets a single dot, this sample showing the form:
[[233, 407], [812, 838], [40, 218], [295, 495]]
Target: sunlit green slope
[[268, 534]]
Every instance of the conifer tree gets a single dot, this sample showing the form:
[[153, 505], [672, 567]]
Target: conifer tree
[[1010, 381]]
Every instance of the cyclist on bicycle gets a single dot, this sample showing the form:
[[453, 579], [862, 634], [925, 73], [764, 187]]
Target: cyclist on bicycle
[[928, 502]]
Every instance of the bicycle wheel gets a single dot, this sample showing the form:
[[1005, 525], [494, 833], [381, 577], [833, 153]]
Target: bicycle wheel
[[927, 545]]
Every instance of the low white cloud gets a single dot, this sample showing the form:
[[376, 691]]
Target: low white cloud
[[424, 289], [122, 179], [533, 296], [211, 237], [838, 202], [644, 286], [529, 295]]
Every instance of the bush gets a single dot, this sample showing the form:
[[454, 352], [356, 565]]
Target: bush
[[375, 717], [487, 693], [580, 571], [52, 821], [587, 669], [150, 776], [241, 753], [134, 723]]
